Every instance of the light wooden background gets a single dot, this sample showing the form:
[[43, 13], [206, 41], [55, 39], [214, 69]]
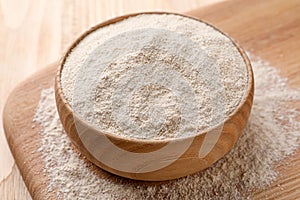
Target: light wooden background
[[34, 33]]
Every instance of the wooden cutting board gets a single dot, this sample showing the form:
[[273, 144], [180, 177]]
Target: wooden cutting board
[[269, 29]]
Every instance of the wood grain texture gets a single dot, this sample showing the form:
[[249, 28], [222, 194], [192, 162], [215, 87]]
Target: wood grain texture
[[275, 37], [25, 141], [16, 188], [186, 164]]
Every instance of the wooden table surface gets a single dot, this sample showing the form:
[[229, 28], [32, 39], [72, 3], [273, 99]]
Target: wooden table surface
[[36, 33]]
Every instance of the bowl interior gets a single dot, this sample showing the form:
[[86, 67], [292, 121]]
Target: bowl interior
[[248, 91]]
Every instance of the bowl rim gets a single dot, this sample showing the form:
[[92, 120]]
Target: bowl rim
[[249, 92]]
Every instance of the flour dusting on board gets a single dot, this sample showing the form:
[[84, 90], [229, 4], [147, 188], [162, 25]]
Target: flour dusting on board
[[272, 134]]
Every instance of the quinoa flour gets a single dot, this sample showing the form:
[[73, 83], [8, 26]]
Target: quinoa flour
[[272, 133]]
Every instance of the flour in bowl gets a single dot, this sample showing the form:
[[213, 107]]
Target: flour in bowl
[[151, 75]]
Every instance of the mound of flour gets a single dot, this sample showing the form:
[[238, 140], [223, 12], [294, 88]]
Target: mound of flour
[[151, 75]]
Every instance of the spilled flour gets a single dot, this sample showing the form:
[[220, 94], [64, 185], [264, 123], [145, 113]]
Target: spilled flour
[[272, 133]]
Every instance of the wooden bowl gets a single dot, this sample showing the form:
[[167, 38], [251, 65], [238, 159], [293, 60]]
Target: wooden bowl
[[131, 159]]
